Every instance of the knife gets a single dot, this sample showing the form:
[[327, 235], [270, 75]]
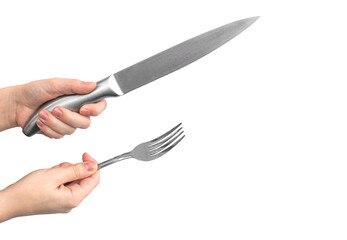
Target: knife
[[146, 71]]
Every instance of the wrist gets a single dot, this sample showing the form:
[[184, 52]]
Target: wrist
[[8, 107], [7, 205]]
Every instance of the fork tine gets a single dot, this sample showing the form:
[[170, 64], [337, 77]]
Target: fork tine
[[164, 139], [164, 135], [165, 143], [157, 155]]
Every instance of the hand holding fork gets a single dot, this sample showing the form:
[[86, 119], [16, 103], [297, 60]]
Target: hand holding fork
[[153, 149]]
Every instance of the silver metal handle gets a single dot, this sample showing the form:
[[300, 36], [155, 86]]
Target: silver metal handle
[[105, 88], [114, 160]]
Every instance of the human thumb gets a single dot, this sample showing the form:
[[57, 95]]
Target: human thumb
[[67, 86], [76, 171]]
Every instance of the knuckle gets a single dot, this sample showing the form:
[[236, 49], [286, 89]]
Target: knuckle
[[66, 209], [76, 85], [53, 79], [72, 203], [76, 171], [97, 112], [63, 164], [47, 134], [70, 131], [58, 136], [104, 105], [96, 182], [87, 124], [76, 81], [54, 84]]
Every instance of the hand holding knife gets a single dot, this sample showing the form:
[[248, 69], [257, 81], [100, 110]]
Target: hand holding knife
[[147, 70]]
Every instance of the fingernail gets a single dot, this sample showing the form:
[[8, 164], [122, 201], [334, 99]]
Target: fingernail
[[39, 123], [90, 166], [87, 83], [43, 115], [85, 111], [57, 112]]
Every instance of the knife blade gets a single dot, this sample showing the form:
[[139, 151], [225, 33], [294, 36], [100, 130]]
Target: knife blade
[[147, 70]]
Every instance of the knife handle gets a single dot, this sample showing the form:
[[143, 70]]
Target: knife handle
[[107, 87]]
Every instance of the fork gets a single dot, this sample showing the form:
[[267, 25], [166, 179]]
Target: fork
[[153, 149]]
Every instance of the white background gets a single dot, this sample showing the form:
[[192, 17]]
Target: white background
[[265, 119]]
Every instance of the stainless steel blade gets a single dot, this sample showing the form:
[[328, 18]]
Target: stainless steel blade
[[178, 56]]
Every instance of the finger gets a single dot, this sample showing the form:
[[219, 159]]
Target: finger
[[86, 185], [91, 182], [55, 124], [64, 164], [72, 119], [64, 86], [93, 109], [75, 172], [82, 188], [48, 131], [87, 158]]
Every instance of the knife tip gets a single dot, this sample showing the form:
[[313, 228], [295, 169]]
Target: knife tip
[[249, 21], [255, 18]]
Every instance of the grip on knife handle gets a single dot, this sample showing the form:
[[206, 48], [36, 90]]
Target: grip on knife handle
[[72, 102]]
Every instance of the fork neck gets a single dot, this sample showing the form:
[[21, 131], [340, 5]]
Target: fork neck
[[114, 160]]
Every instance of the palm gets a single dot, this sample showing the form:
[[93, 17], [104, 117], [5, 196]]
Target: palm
[[33, 95]]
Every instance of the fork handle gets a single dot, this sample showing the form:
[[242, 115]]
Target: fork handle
[[114, 160], [105, 88]]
